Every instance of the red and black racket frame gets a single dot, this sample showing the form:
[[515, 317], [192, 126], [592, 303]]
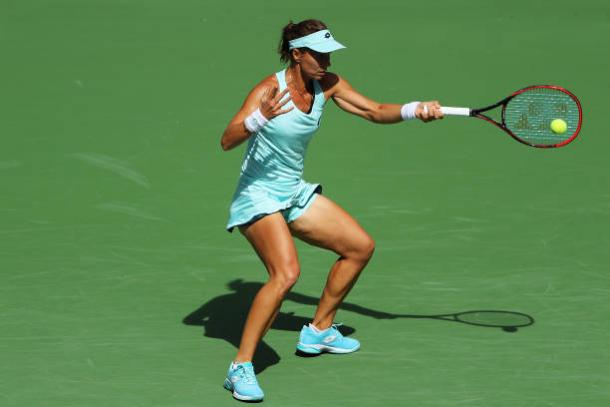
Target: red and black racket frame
[[504, 103]]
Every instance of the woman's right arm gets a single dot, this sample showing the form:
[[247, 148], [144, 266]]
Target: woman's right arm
[[264, 97]]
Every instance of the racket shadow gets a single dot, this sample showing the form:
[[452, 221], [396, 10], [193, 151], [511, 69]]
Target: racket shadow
[[508, 321]]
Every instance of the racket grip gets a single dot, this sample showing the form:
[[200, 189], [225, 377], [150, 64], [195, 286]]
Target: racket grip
[[452, 111], [455, 111]]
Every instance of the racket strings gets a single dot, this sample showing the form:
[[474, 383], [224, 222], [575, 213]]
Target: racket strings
[[529, 114]]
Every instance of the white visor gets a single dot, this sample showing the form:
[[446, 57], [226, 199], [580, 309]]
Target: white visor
[[320, 41]]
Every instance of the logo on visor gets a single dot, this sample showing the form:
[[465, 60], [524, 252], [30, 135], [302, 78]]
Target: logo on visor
[[327, 35]]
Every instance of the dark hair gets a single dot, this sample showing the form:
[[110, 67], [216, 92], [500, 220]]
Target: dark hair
[[292, 31]]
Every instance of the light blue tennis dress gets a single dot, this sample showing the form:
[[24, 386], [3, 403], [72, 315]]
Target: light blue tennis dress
[[270, 178]]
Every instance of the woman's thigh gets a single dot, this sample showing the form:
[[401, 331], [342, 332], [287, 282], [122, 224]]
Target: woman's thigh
[[272, 241], [327, 225]]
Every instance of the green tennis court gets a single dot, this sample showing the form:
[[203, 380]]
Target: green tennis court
[[120, 287]]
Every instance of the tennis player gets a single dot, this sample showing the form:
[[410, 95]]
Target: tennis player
[[272, 202]]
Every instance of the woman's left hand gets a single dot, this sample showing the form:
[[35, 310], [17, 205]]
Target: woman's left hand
[[428, 111]]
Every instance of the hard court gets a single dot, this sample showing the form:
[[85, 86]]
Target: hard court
[[120, 287]]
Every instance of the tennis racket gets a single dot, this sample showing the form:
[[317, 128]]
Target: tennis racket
[[527, 115]]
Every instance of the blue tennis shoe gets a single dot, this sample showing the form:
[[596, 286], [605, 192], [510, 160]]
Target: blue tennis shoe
[[241, 380], [313, 341]]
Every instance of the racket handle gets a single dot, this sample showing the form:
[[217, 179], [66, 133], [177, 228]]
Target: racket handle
[[452, 111], [455, 111]]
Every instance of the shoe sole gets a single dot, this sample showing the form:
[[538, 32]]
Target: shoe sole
[[318, 349], [229, 386]]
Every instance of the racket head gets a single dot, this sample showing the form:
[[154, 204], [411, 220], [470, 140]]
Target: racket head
[[527, 115]]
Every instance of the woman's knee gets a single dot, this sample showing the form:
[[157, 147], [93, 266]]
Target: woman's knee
[[286, 275], [368, 248], [363, 249]]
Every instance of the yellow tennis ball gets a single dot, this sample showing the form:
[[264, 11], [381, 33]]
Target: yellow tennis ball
[[559, 126]]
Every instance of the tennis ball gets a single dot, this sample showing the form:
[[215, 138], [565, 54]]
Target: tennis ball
[[559, 126]]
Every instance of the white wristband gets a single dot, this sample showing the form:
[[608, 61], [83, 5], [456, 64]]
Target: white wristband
[[408, 111], [255, 121]]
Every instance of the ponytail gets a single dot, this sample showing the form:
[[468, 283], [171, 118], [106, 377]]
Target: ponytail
[[293, 31]]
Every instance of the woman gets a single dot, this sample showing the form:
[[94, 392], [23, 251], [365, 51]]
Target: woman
[[272, 203]]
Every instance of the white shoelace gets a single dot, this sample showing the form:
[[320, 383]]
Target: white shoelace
[[247, 375]]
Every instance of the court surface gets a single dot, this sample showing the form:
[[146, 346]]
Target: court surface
[[120, 287]]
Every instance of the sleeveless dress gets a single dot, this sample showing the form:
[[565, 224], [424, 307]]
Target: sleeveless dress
[[270, 178]]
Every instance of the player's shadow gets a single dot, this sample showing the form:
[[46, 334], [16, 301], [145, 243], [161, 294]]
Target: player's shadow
[[223, 317]]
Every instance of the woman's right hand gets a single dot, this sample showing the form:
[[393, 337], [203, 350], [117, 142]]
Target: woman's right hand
[[271, 103], [428, 111]]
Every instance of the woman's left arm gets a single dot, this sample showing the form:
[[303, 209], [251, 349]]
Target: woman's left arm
[[348, 99]]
